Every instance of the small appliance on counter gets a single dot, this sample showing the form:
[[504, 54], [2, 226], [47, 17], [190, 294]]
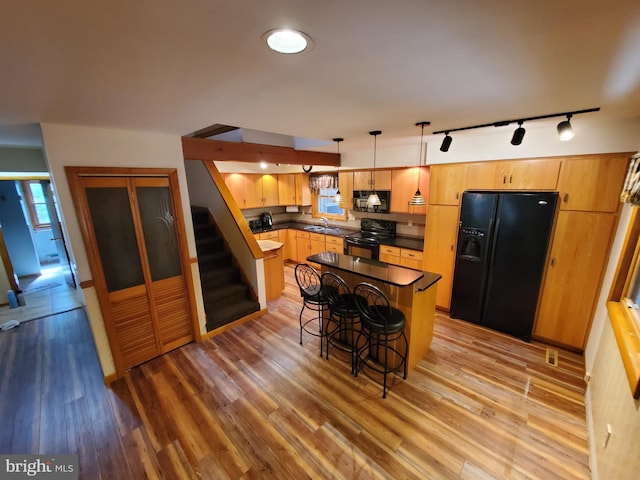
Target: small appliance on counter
[[267, 221], [255, 225]]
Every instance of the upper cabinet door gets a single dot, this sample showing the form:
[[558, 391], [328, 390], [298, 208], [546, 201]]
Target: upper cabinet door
[[536, 174], [533, 174], [592, 183], [287, 189], [270, 190], [446, 184], [404, 183], [235, 184]]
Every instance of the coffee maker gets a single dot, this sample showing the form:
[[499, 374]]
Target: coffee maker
[[267, 220]]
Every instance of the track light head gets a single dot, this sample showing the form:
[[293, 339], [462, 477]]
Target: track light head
[[446, 142], [518, 135], [565, 132]]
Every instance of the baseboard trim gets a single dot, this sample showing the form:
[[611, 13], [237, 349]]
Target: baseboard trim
[[593, 459], [235, 323]]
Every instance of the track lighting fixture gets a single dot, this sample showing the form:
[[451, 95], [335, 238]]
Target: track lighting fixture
[[338, 198], [565, 131], [518, 135], [418, 200], [446, 142], [374, 200]]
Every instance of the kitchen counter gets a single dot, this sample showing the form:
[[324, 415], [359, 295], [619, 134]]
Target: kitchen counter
[[411, 291], [402, 242]]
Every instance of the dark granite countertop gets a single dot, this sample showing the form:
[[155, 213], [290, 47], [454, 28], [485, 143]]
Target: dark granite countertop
[[402, 242], [384, 272]]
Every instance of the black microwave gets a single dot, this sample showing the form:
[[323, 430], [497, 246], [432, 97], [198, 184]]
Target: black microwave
[[360, 204]]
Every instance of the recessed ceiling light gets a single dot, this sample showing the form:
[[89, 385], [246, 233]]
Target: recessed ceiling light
[[285, 40], [263, 165]]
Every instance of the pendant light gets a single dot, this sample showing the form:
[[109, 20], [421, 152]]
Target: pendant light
[[418, 200], [373, 200], [338, 198]]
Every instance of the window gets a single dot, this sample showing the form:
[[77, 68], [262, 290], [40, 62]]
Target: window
[[622, 306], [36, 203], [326, 203]]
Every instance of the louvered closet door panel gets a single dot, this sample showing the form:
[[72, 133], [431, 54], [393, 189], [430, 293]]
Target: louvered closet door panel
[[168, 285], [132, 321], [174, 321]]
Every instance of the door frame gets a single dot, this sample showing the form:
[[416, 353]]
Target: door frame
[[74, 176]]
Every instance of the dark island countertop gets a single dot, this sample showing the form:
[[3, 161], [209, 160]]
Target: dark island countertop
[[384, 272]]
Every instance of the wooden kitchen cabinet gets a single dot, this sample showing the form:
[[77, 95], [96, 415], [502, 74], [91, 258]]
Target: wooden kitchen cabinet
[[579, 253], [260, 191], [303, 246], [441, 236], [303, 194], [592, 182], [389, 254], [404, 182], [334, 244], [535, 174], [318, 243], [274, 273], [235, 184], [345, 185], [288, 246], [362, 180], [411, 258], [287, 189], [446, 184]]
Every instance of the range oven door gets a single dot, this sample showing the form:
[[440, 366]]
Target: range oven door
[[360, 249]]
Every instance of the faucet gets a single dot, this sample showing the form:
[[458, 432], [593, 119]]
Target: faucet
[[325, 222]]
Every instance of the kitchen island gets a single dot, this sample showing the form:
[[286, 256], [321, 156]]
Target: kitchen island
[[411, 291]]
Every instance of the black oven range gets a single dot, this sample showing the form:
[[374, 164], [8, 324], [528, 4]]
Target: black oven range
[[366, 243]]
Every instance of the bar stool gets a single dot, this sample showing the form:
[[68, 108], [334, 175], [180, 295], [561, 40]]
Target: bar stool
[[313, 298], [343, 323], [383, 325]]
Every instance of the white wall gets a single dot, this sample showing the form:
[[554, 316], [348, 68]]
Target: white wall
[[67, 145]]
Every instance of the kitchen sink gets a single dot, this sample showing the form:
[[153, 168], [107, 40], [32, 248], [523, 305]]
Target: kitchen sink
[[321, 229]]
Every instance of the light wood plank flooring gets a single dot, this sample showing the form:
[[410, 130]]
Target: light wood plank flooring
[[253, 403]]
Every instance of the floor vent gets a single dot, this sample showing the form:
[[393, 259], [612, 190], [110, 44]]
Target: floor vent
[[552, 357]]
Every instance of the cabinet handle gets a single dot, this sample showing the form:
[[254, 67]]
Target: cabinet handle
[[452, 248], [457, 195], [565, 198], [510, 178], [504, 179], [553, 261]]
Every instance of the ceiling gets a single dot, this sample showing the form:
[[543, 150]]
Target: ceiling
[[178, 66]]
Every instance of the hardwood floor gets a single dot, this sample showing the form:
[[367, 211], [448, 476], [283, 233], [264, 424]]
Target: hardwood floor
[[253, 403]]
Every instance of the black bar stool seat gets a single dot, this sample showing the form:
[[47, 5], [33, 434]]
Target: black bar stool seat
[[314, 299]]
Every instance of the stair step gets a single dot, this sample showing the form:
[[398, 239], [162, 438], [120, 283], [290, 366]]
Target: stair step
[[226, 294], [209, 245], [231, 313], [199, 215], [205, 231], [218, 276], [213, 261]]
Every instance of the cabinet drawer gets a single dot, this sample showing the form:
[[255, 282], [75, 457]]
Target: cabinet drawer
[[411, 254], [389, 250], [273, 235], [317, 237], [301, 234], [331, 240], [334, 248]]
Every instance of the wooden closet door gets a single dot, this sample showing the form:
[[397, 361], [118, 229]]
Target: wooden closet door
[[119, 275], [131, 238], [168, 290]]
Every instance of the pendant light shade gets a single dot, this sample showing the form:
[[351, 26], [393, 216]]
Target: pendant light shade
[[374, 200], [565, 132], [418, 200]]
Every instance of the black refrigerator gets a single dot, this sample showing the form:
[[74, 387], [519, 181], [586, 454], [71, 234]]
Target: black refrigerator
[[502, 248]]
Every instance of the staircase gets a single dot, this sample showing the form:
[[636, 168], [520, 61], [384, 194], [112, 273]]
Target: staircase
[[226, 296]]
